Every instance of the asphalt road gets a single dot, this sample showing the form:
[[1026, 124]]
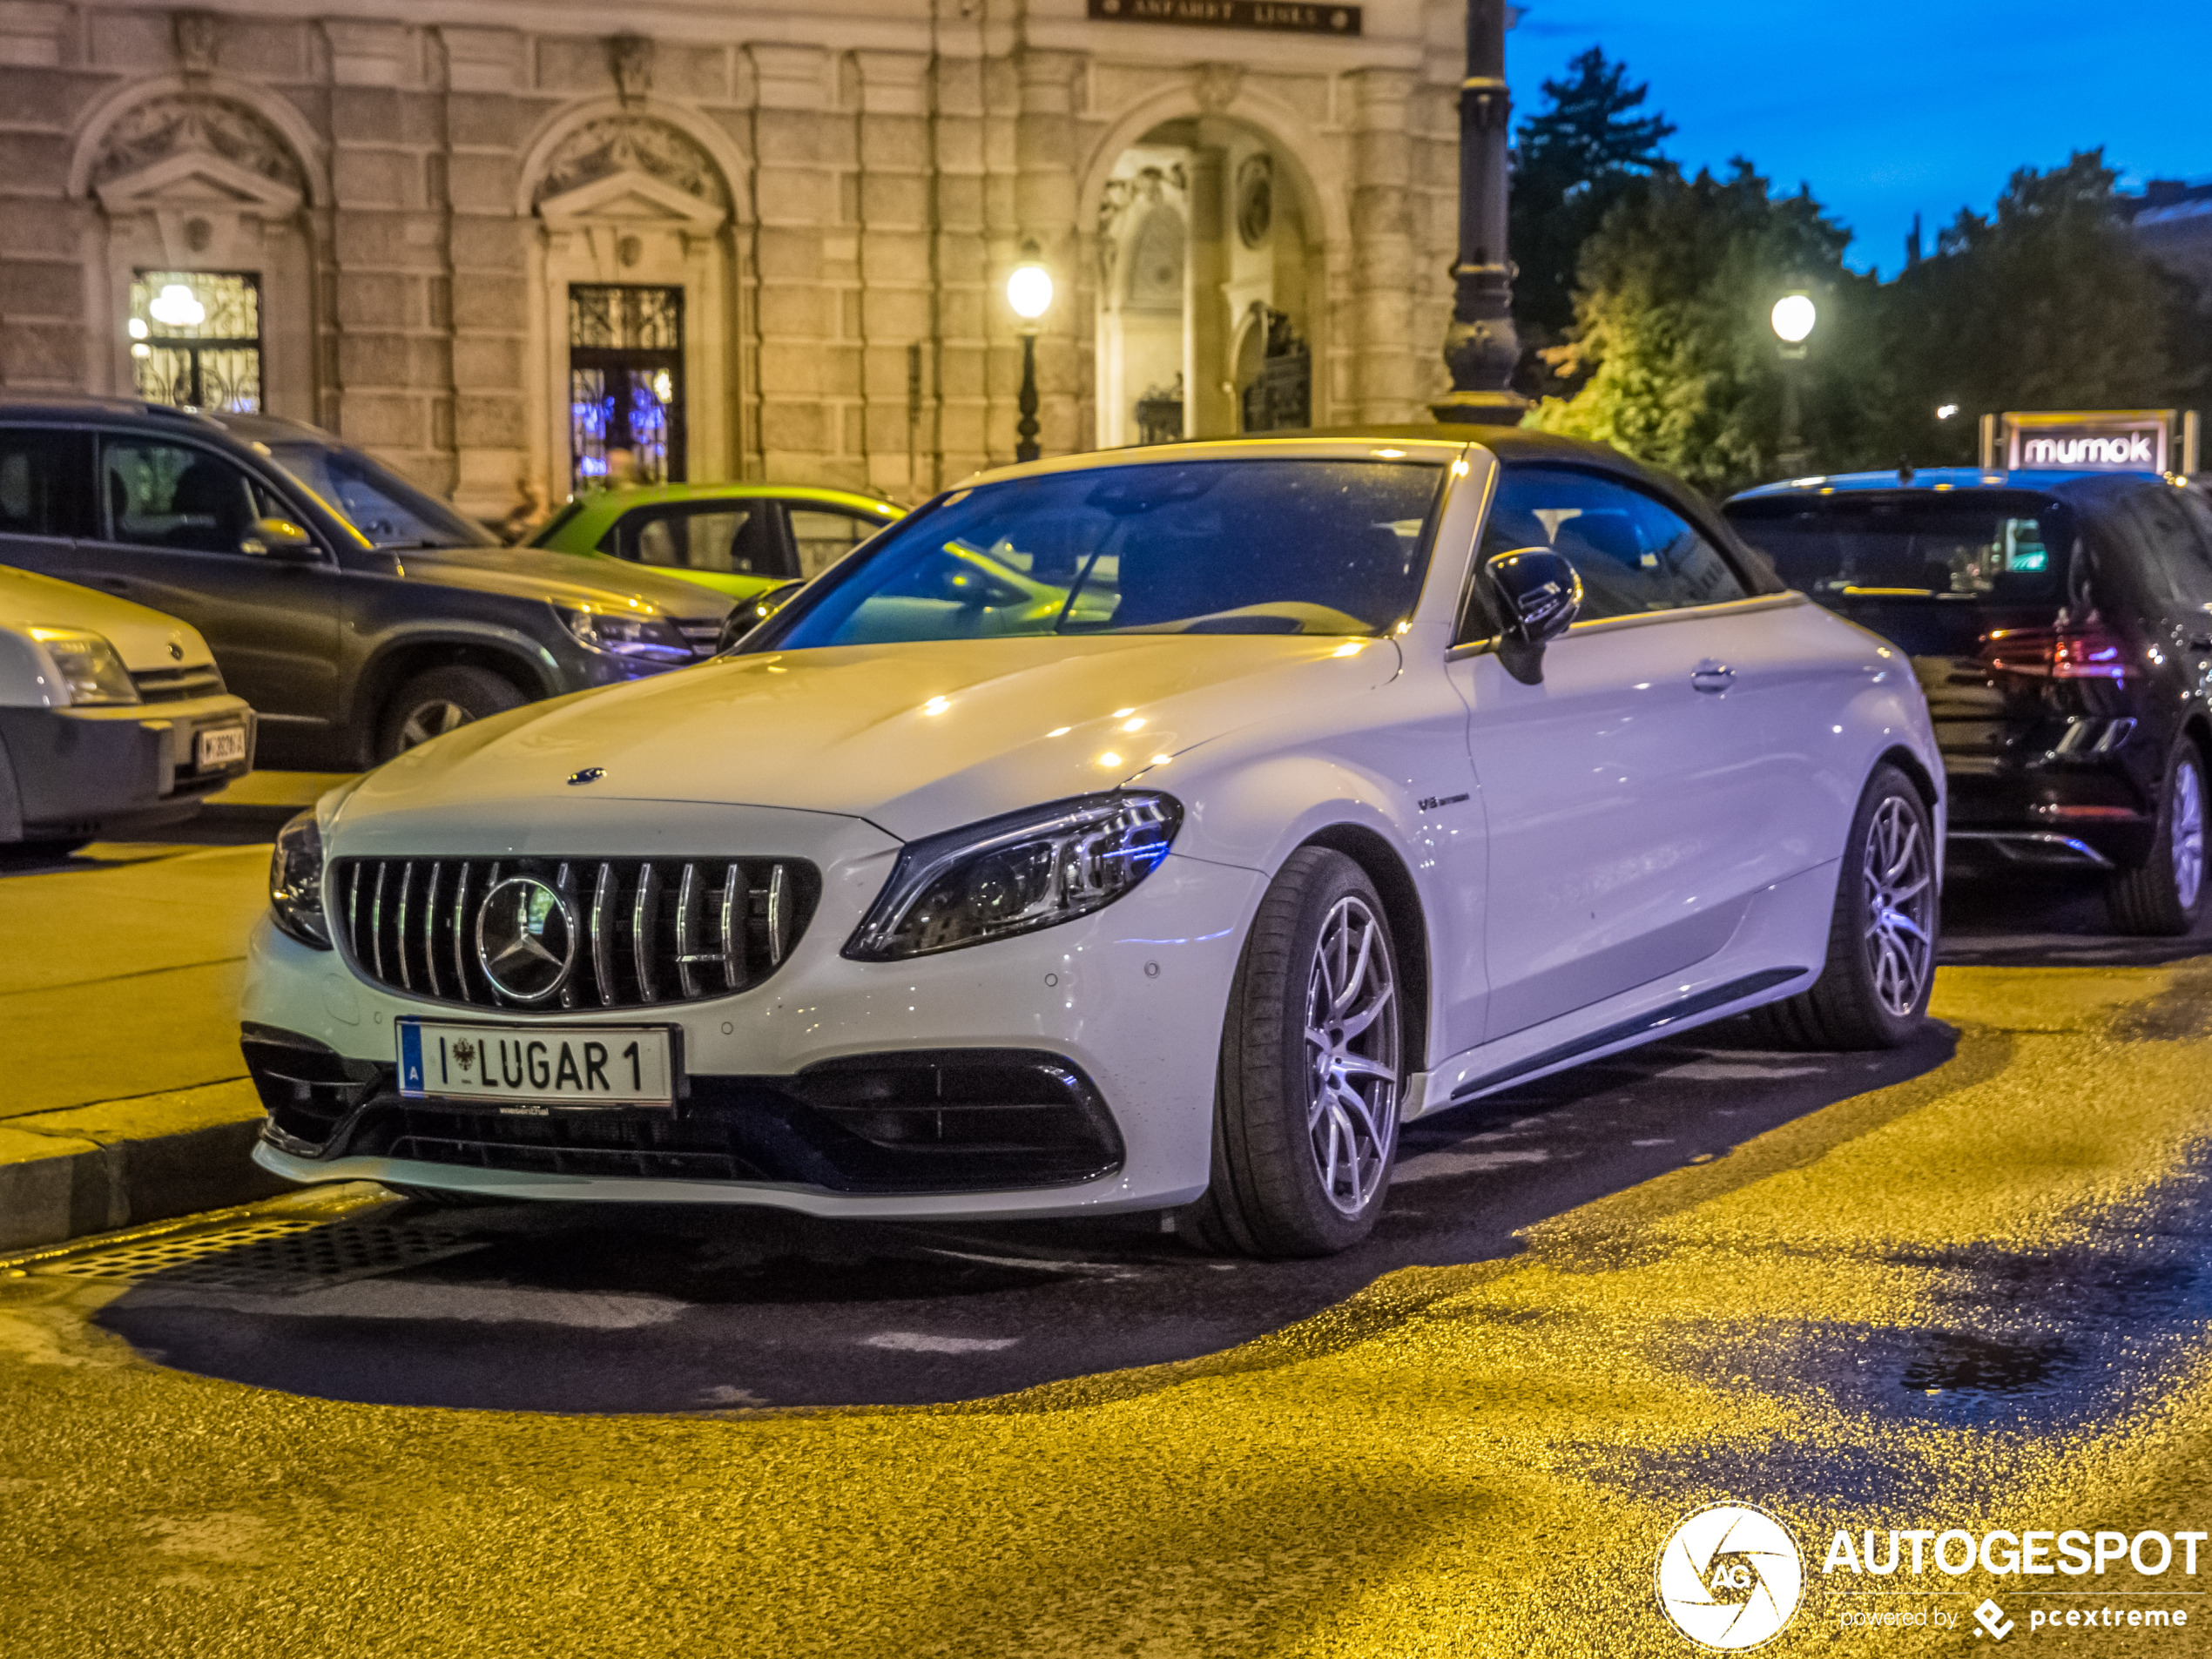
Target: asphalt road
[[1963, 1284]]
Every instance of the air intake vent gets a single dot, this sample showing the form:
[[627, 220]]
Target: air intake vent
[[636, 932], [178, 685]]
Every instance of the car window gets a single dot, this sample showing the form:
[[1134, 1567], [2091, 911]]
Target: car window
[[2174, 560], [559, 522], [42, 482], [1247, 547], [1633, 553], [1972, 548], [728, 537], [175, 495], [826, 536], [384, 507]]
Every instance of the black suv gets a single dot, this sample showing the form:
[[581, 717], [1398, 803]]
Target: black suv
[[2060, 625], [357, 614]]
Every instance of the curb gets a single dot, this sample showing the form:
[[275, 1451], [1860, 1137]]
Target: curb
[[95, 1168]]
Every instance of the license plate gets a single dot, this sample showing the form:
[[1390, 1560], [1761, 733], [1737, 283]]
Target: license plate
[[221, 746], [598, 1065]]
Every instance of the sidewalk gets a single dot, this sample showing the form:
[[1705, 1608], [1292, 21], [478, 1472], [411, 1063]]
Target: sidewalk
[[123, 1098]]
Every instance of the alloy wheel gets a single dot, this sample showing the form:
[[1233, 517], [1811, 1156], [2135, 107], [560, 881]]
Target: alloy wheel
[[1352, 1041], [432, 720], [1900, 905], [2186, 833]]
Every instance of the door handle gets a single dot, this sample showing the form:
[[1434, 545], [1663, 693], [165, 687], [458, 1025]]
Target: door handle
[[1712, 677]]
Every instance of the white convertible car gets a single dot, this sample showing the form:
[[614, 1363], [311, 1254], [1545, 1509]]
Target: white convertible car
[[1354, 778]]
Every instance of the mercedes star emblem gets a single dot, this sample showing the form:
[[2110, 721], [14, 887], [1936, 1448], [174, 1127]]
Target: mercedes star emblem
[[526, 936], [589, 775]]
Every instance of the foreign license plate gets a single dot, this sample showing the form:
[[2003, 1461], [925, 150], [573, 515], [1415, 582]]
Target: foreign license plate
[[221, 746], [598, 1065]]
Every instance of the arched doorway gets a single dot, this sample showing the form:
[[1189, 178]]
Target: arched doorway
[[1208, 272]]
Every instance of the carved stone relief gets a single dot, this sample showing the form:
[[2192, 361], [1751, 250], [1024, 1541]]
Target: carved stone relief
[[195, 34], [163, 127], [630, 57], [1218, 85], [619, 143]]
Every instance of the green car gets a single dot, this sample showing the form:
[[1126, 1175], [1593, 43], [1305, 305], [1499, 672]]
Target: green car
[[737, 539]]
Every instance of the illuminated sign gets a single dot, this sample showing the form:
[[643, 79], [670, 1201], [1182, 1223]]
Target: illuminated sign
[[2087, 440], [1291, 17]]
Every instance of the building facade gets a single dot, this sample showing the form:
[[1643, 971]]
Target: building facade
[[735, 241]]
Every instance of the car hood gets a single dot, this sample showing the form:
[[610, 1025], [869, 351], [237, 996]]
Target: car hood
[[914, 738], [560, 578], [143, 638]]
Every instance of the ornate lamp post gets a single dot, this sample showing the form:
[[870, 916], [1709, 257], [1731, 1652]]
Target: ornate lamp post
[[1480, 348], [1028, 290], [1792, 321]]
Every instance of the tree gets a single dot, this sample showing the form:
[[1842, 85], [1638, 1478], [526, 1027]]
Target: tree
[[2049, 303], [1575, 157], [1671, 330]]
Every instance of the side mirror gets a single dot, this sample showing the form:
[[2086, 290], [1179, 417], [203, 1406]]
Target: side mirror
[[278, 538], [749, 614], [1538, 595]]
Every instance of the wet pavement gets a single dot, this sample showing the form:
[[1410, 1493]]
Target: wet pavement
[[1963, 1285]]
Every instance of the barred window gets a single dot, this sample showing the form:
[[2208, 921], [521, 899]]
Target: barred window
[[196, 338]]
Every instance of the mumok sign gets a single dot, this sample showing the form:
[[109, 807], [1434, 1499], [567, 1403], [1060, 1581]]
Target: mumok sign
[[2087, 441]]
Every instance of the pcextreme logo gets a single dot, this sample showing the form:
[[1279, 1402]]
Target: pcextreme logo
[[1731, 1577]]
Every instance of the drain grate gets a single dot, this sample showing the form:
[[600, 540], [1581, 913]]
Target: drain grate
[[278, 1257]]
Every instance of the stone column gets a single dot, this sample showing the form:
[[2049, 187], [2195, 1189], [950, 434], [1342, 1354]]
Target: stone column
[[1208, 411], [487, 243], [395, 299], [893, 153], [808, 375], [1046, 153], [958, 375], [1385, 378]]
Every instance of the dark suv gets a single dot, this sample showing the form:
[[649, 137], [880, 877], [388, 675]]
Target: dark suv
[[357, 614], [2060, 625]]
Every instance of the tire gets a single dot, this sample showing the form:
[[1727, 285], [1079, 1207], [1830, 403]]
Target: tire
[[2166, 895], [1873, 991], [434, 702], [1303, 1147], [44, 848]]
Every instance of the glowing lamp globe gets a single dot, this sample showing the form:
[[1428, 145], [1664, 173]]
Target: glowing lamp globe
[[1028, 290], [177, 306], [1793, 317]]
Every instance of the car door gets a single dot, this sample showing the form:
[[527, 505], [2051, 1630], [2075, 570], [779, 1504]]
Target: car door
[[1623, 787], [174, 529]]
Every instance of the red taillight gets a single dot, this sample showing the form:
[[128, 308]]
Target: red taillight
[[2088, 653]]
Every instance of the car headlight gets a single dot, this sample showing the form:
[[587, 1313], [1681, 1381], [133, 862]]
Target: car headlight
[[653, 639], [295, 881], [87, 666], [1015, 874]]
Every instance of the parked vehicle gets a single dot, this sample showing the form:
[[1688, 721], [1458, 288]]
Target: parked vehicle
[[740, 540], [112, 717], [2061, 627], [351, 647], [1351, 778]]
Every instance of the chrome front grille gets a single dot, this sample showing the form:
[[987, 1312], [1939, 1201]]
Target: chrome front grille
[[649, 931], [178, 685], [704, 637]]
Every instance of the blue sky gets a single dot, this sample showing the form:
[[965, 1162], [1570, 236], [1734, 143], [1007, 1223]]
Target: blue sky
[[1886, 109]]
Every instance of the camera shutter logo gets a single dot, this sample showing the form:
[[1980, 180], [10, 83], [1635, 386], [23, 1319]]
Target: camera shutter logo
[[526, 937], [1731, 1577]]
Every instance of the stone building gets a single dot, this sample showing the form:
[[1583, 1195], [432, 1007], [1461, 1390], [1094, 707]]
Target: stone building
[[742, 241]]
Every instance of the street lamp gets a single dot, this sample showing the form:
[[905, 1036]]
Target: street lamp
[[1028, 290], [1792, 319]]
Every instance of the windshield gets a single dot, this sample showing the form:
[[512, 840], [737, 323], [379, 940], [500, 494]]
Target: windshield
[[383, 506], [1220, 547], [1996, 550]]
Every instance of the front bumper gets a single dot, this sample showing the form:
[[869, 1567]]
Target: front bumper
[[1069, 1071], [81, 772]]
